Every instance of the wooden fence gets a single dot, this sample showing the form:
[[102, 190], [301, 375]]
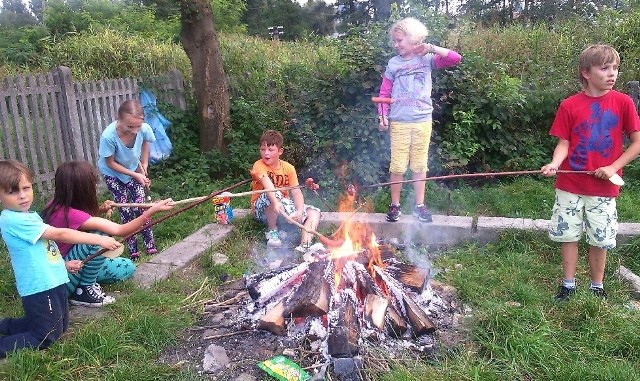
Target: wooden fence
[[47, 119]]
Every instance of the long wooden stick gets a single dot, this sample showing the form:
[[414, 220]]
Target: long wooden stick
[[150, 224], [321, 237], [470, 175], [196, 199]]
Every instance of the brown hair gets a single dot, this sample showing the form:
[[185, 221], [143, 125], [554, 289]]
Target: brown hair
[[131, 107], [594, 56], [10, 173], [76, 187], [272, 138]]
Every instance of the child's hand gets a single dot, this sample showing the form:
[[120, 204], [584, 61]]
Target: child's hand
[[162, 206], [383, 123], [423, 49], [106, 208], [73, 266], [142, 179], [107, 242], [604, 172], [296, 216], [549, 170]]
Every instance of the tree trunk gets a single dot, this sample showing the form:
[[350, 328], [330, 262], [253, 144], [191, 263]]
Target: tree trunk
[[200, 42]]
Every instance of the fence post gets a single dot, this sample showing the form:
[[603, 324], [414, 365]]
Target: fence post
[[634, 91], [178, 87], [69, 118]]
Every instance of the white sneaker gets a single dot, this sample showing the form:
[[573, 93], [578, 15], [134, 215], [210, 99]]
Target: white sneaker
[[273, 238], [106, 298]]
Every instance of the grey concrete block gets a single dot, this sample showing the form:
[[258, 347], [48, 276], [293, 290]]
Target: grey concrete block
[[185, 251], [149, 273]]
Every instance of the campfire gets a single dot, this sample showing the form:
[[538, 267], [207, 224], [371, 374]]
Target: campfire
[[345, 297]]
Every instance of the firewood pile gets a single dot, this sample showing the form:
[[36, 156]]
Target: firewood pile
[[347, 299]]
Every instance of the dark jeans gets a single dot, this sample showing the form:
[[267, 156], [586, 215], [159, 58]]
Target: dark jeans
[[46, 318]]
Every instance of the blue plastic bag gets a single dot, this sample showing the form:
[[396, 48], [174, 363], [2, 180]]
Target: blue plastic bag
[[162, 147]]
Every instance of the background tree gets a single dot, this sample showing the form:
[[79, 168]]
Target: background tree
[[15, 14], [200, 41]]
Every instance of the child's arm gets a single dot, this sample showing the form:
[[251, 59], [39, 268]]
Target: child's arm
[[113, 164], [113, 228], [383, 108], [629, 154], [268, 184], [298, 201], [559, 154], [144, 157], [444, 57], [75, 236]]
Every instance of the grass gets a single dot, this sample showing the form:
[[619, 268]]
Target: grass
[[516, 331]]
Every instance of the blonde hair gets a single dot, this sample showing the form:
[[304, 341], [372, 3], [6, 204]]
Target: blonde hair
[[130, 107], [412, 28], [594, 56]]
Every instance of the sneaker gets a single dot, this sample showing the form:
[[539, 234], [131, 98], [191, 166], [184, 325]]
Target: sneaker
[[394, 213], [107, 299], [152, 251], [422, 213], [88, 296], [599, 292], [564, 293], [273, 238], [134, 256]]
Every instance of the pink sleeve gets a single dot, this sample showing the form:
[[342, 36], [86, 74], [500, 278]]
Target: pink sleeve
[[452, 59], [385, 92]]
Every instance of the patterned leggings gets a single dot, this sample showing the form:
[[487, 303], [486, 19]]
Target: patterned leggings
[[99, 269], [131, 192]]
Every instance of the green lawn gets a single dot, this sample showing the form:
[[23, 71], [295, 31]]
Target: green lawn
[[516, 331]]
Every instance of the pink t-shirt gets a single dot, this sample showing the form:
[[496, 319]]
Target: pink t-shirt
[[76, 219]]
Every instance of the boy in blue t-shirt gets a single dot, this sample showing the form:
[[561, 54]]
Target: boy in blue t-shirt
[[40, 271]]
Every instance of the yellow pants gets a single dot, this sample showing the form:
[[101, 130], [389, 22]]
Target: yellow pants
[[409, 146]]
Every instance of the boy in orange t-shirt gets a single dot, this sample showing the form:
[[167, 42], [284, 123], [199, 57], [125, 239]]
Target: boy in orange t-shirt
[[270, 172]]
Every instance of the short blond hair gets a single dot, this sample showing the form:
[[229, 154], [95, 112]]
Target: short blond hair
[[596, 55], [412, 28]]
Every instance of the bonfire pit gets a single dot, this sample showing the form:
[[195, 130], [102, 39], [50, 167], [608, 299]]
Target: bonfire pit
[[341, 300]]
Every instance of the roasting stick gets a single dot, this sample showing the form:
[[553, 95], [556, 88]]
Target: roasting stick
[[210, 196], [615, 179], [196, 199], [321, 237]]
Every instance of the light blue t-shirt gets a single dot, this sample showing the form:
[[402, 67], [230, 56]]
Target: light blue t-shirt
[[128, 157], [37, 263], [411, 91]]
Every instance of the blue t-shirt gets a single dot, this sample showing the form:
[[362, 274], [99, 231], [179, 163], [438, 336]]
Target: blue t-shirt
[[128, 157], [37, 263], [411, 91]]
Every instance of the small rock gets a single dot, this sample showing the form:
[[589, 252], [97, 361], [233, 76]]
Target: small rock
[[215, 358], [512, 303], [275, 264], [347, 369], [289, 352], [217, 318], [219, 258]]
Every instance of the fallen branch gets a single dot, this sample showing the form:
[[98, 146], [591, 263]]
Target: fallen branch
[[213, 337]]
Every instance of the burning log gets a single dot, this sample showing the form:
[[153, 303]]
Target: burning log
[[420, 322], [263, 288], [344, 326], [375, 309], [273, 321], [413, 277], [311, 296], [396, 326]]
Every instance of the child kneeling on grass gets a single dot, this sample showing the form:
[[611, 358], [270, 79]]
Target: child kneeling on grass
[[40, 272], [270, 172]]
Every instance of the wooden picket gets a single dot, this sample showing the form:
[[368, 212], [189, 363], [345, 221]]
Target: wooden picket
[[47, 119]]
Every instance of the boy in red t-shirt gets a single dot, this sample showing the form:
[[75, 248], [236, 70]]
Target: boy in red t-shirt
[[590, 126], [270, 172]]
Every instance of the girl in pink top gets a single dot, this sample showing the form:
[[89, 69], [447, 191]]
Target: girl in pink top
[[75, 206]]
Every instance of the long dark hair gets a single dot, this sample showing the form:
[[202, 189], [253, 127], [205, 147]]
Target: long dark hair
[[76, 187]]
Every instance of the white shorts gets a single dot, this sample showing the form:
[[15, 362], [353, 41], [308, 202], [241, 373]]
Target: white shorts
[[574, 214], [263, 202]]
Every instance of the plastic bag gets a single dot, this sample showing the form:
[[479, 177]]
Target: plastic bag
[[283, 369], [162, 147]]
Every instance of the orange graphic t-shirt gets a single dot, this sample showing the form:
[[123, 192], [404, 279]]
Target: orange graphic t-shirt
[[283, 176]]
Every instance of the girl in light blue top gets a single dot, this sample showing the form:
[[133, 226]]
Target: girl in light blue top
[[124, 158]]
